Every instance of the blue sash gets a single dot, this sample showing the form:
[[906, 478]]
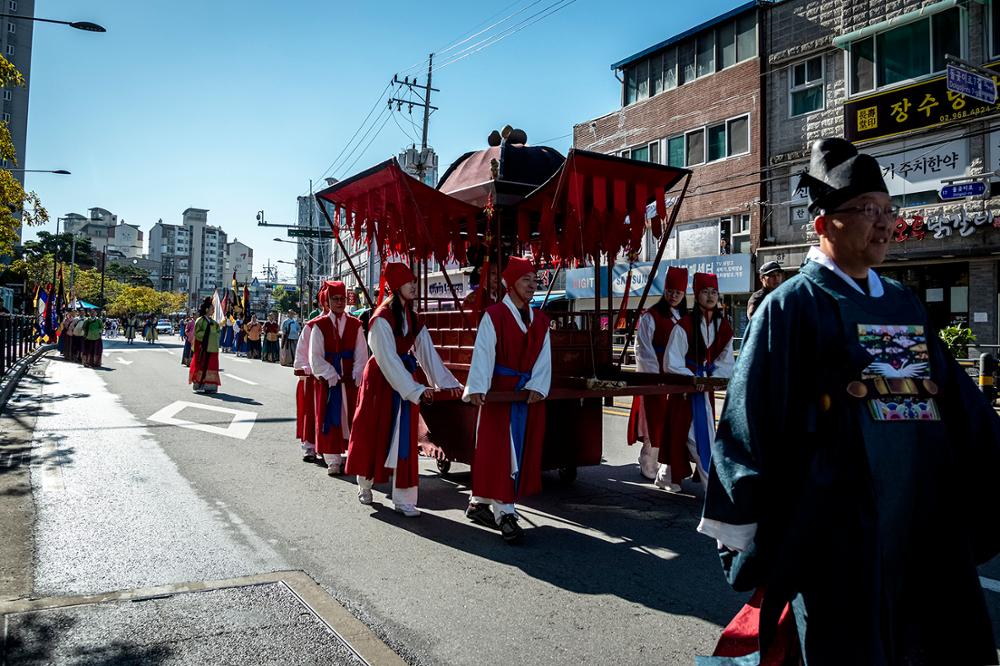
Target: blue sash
[[518, 415], [335, 395], [699, 405], [401, 408]]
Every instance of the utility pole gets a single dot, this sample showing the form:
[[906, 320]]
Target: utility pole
[[306, 283], [104, 261], [425, 102]]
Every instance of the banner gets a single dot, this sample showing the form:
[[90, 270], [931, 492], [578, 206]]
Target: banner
[[734, 271]]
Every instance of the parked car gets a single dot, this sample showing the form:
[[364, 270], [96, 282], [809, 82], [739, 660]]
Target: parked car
[[164, 326]]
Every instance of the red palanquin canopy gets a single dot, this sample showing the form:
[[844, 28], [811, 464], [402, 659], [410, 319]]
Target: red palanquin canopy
[[584, 209]]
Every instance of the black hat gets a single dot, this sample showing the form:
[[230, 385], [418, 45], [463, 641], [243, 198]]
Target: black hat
[[838, 173], [770, 267]]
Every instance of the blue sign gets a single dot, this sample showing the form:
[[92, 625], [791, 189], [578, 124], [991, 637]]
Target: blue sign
[[734, 272], [952, 192], [972, 84]]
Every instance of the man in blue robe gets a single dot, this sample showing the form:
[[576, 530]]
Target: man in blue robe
[[846, 422]]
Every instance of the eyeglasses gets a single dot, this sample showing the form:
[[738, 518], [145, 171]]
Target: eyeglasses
[[872, 211]]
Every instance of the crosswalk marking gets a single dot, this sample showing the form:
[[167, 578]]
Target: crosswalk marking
[[240, 379]]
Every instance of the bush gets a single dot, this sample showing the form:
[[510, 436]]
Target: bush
[[957, 339]]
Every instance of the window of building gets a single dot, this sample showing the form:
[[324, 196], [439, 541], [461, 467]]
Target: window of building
[[6, 118], [695, 148], [805, 85], [642, 80], [705, 54], [716, 142], [746, 37], [740, 234], [12, 5], [648, 153], [905, 52], [738, 136], [10, 49], [685, 63], [11, 28], [6, 95], [995, 29], [725, 38], [670, 69], [675, 151]]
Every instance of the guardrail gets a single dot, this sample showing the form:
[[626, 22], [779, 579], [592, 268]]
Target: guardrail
[[17, 339]]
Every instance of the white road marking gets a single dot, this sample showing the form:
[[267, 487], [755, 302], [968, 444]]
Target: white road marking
[[123, 361], [238, 428], [240, 379], [989, 584], [238, 360]]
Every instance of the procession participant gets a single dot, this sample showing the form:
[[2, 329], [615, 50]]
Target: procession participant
[[771, 276], [240, 334], [843, 416], [79, 335], [131, 324], [290, 330], [337, 356], [270, 331], [305, 405], [512, 353], [65, 334], [701, 345], [92, 329], [150, 332], [187, 332], [226, 334], [648, 420], [114, 327], [204, 372], [97, 353], [253, 330], [383, 438], [488, 292]]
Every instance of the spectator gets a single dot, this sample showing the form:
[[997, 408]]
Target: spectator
[[771, 275]]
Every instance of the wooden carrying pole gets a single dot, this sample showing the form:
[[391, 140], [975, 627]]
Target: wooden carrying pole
[[347, 255], [634, 317]]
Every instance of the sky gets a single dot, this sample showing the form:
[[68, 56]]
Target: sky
[[234, 105]]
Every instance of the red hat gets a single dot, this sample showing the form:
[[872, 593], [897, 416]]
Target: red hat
[[517, 267], [335, 288], [398, 274], [677, 278], [704, 281]]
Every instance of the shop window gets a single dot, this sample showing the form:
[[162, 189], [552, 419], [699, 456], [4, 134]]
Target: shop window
[[805, 83], [906, 52]]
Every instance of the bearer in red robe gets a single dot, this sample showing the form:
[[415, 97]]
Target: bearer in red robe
[[648, 421], [305, 407], [337, 356], [701, 345], [383, 440], [512, 353]]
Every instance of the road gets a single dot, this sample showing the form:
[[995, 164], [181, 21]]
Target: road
[[163, 485]]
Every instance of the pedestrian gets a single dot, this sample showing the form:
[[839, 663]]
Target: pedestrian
[[253, 337], [649, 419], [512, 353], [771, 276], [114, 327], [337, 356], [239, 332], [131, 324], [150, 332], [204, 372], [846, 416], [79, 333], [701, 345], [383, 440], [270, 334], [93, 328], [66, 337], [290, 330], [305, 404], [187, 332], [226, 334]]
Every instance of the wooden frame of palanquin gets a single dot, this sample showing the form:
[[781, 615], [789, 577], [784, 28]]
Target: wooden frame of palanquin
[[580, 213]]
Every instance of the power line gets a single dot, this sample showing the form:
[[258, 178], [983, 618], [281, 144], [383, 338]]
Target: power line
[[362, 153], [339, 172]]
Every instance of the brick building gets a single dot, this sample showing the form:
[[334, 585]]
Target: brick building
[[874, 73], [695, 100]]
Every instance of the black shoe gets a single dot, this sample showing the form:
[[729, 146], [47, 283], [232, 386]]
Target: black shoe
[[509, 529], [319, 461], [481, 514], [309, 458]]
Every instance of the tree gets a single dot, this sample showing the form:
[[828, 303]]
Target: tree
[[145, 300], [284, 300], [13, 198], [61, 246], [129, 274]]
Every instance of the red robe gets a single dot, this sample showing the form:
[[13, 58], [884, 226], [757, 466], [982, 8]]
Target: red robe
[[491, 464], [675, 453], [653, 406], [333, 440], [373, 425], [305, 416]]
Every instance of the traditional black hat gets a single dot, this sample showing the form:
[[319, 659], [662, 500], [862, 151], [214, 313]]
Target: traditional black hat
[[838, 173], [770, 267]]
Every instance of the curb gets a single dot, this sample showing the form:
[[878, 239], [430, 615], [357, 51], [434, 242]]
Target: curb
[[10, 381]]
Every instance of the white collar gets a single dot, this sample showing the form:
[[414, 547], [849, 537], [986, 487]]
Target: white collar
[[875, 288], [517, 314]]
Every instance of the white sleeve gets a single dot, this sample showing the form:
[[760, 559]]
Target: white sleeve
[[317, 358], [383, 344], [677, 349], [645, 355], [725, 363], [541, 373], [360, 355], [302, 352], [483, 358], [431, 362], [735, 537]]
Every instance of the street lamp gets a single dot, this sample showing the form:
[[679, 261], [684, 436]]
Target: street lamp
[[61, 172], [86, 26]]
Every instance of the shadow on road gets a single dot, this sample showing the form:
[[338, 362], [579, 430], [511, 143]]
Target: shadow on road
[[225, 397]]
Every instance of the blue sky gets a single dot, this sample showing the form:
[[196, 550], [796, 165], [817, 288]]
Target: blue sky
[[234, 105]]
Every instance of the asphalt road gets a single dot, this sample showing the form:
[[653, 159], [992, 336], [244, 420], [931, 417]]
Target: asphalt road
[[164, 485]]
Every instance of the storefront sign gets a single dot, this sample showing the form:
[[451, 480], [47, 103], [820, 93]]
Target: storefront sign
[[961, 224], [734, 272], [922, 169], [925, 104]]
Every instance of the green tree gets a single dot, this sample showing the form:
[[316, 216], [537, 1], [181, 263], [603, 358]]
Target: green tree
[[129, 274], [61, 246], [139, 300], [14, 199], [284, 300]]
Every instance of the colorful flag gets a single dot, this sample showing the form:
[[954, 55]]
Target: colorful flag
[[217, 307], [41, 302]]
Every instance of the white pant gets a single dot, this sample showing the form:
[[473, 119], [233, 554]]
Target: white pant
[[332, 459], [499, 508], [648, 463], [400, 496], [663, 474], [308, 448]]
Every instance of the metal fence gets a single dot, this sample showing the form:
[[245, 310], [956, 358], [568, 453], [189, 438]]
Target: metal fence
[[17, 339]]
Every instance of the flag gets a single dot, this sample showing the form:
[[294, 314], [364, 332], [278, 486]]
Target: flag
[[41, 303], [49, 330], [225, 303], [216, 307], [60, 304], [237, 306], [246, 300]]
